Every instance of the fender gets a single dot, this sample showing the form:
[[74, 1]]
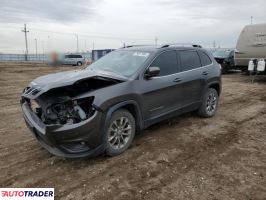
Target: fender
[[208, 85], [215, 82], [115, 107]]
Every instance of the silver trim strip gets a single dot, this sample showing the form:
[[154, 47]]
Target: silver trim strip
[[181, 72]]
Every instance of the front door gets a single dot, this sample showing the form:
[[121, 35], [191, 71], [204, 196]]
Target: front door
[[159, 93]]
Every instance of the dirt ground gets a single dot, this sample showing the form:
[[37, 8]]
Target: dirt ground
[[187, 157]]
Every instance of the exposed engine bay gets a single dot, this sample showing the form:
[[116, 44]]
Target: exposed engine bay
[[59, 105], [63, 110]]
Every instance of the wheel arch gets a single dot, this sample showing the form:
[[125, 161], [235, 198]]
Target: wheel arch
[[132, 107], [216, 86]]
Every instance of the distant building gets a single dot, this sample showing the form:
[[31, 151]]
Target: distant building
[[96, 54]]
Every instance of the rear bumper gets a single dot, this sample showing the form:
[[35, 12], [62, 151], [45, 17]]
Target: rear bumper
[[72, 141]]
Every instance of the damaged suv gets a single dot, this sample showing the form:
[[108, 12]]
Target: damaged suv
[[99, 109]]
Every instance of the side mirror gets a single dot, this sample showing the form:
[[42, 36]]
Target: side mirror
[[152, 72]]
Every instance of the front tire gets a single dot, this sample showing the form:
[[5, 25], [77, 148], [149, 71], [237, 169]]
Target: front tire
[[209, 104], [120, 132], [79, 63]]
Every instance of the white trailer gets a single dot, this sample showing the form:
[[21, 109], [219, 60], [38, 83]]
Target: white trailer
[[251, 44]]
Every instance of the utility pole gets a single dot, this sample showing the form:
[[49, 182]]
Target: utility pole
[[36, 47], [77, 41], [26, 41], [92, 45], [48, 46], [85, 45], [214, 45], [43, 51], [156, 41], [251, 19]]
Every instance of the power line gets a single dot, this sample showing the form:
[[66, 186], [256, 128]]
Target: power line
[[26, 41], [92, 36]]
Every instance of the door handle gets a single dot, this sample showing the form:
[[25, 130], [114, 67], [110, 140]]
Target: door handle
[[177, 80], [205, 73]]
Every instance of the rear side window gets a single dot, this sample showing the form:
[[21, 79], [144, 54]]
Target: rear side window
[[73, 56], [204, 58], [167, 63], [189, 60]]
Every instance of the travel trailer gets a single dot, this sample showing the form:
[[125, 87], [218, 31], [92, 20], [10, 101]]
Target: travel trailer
[[251, 44]]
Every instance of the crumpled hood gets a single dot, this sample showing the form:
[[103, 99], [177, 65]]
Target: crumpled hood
[[60, 79]]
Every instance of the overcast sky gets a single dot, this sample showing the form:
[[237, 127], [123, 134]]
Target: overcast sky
[[110, 23]]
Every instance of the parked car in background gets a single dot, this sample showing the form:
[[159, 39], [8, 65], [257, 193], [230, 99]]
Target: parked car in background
[[73, 59], [97, 54], [251, 44], [98, 109], [225, 57]]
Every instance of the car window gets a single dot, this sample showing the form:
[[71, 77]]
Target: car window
[[73, 56], [167, 62], [221, 53], [204, 58], [189, 60], [121, 62]]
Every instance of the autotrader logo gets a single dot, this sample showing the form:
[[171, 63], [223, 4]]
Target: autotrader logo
[[26, 193]]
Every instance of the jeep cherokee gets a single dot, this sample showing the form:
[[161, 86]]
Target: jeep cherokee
[[100, 108]]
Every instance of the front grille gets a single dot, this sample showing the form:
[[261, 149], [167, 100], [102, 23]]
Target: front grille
[[31, 91]]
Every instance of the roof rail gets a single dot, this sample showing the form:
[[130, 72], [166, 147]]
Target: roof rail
[[139, 45], [181, 45]]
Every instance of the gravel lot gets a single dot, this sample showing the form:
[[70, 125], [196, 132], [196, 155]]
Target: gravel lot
[[187, 157]]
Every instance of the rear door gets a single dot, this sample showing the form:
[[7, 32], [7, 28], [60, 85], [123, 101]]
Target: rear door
[[192, 77], [73, 59]]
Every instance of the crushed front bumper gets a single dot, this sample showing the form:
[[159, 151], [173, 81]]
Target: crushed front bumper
[[71, 141]]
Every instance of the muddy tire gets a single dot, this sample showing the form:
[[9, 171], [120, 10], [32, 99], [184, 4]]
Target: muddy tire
[[209, 104], [120, 132]]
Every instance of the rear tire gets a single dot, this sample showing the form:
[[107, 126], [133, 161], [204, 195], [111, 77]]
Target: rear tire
[[209, 104], [120, 132]]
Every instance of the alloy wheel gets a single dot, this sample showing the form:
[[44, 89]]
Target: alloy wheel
[[119, 132], [211, 103]]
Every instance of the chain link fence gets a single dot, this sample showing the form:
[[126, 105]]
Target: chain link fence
[[35, 57], [23, 57]]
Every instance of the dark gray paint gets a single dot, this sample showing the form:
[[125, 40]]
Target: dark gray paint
[[153, 99]]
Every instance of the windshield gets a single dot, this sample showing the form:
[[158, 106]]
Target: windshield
[[125, 63], [221, 53]]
